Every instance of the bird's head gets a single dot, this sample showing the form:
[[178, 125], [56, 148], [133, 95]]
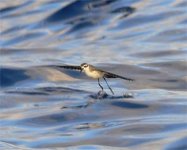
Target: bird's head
[[84, 66]]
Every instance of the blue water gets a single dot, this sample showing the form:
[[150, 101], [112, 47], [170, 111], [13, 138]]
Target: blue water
[[43, 106]]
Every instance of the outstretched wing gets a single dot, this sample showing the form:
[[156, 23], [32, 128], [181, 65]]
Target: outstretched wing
[[112, 75], [68, 67], [71, 67]]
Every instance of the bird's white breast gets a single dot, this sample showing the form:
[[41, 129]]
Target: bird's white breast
[[94, 74]]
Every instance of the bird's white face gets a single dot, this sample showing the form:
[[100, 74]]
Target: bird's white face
[[84, 67]]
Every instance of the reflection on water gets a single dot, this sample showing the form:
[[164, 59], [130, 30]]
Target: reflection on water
[[45, 106]]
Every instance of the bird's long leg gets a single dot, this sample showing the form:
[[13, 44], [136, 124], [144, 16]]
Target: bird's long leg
[[100, 84], [108, 86]]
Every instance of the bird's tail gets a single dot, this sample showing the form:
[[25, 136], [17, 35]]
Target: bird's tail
[[111, 75]]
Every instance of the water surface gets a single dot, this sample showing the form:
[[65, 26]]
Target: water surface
[[43, 106]]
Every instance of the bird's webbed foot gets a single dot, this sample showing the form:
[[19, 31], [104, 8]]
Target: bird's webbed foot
[[102, 94]]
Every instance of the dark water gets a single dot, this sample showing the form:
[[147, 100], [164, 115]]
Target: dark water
[[45, 107]]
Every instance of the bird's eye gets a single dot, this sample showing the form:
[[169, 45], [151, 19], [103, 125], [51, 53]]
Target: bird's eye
[[85, 66]]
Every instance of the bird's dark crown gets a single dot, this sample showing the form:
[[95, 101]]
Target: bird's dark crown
[[84, 65]]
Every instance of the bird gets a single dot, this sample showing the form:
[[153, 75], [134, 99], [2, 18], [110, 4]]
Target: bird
[[96, 73]]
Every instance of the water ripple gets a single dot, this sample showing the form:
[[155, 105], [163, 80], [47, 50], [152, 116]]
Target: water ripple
[[45, 106]]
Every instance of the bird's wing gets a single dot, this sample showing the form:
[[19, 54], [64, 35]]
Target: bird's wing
[[112, 75], [69, 67]]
